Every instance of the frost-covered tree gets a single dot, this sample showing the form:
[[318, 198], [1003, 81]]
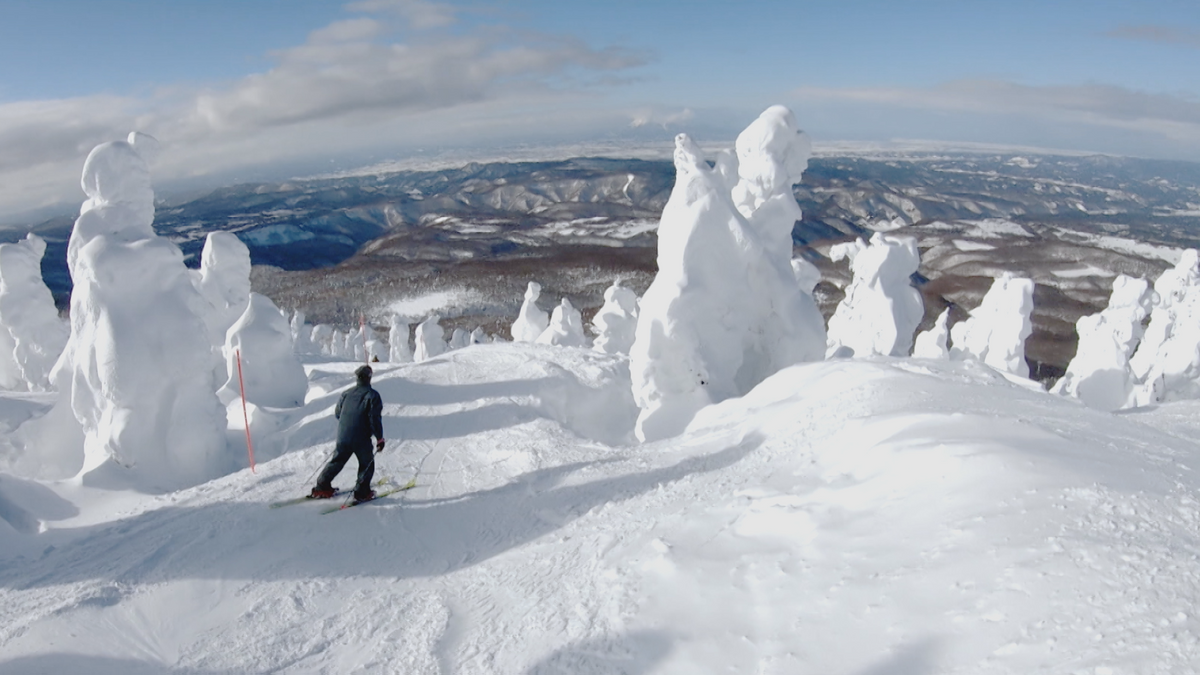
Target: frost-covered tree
[[270, 370], [566, 327], [1167, 362], [881, 309], [996, 331], [933, 343], [224, 281], [725, 310], [616, 322], [459, 339], [137, 370], [398, 349], [1099, 374], [531, 321], [322, 338], [32, 335], [430, 338], [301, 333]]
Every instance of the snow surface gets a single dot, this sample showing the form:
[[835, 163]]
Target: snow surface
[[862, 516]]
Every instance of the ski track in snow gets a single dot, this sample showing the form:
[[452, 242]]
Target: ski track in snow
[[857, 517]]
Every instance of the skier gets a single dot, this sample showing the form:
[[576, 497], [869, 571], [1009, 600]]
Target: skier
[[358, 414]]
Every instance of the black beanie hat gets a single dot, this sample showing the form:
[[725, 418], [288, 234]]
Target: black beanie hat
[[363, 374]]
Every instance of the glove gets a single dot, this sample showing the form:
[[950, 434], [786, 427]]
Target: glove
[[379, 445]]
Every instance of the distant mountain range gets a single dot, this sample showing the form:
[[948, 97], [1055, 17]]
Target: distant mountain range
[[340, 246]]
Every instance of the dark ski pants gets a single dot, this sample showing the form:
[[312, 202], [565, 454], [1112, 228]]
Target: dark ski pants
[[341, 455]]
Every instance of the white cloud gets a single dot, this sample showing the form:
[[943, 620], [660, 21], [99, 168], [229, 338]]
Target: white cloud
[[1100, 106], [348, 86], [642, 118]]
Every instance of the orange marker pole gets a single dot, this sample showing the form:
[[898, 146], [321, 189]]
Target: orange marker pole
[[245, 415]]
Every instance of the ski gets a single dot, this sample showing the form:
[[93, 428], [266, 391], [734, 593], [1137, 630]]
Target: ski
[[336, 494], [379, 495]]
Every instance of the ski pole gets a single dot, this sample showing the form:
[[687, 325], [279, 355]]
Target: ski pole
[[320, 466], [369, 465]]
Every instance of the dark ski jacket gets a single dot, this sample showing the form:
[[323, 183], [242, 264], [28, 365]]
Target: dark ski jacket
[[359, 416]]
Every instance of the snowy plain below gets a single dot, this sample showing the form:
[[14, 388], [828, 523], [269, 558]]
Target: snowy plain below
[[857, 517]]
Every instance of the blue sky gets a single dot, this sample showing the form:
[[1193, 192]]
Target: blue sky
[[245, 88]]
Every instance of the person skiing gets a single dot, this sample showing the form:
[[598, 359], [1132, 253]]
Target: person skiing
[[359, 418]]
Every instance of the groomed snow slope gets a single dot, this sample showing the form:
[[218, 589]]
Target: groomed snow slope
[[857, 517]]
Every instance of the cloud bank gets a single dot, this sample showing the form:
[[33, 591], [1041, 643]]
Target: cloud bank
[[367, 81]]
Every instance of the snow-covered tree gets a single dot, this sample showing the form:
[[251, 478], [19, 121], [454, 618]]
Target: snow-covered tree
[[32, 335], [881, 309], [933, 343], [224, 281], [724, 311], [566, 327], [270, 370], [1099, 374], [996, 331], [1167, 362], [398, 349], [459, 339], [301, 333], [616, 322], [430, 338], [531, 321], [137, 370], [322, 338]]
